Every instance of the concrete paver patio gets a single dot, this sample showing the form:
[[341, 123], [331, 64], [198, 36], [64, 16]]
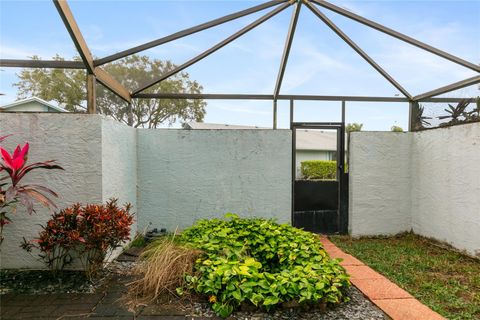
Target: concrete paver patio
[[80, 306]]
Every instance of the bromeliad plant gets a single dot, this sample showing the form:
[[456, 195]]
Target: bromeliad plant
[[420, 121], [13, 191]]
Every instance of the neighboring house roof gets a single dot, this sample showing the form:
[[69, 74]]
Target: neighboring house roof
[[33, 99], [307, 139], [316, 140], [216, 126]]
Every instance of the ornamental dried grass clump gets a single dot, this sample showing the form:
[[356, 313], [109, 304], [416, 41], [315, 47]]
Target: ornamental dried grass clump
[[161, 271]]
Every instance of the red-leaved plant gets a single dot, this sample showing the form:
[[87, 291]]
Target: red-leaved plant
[[87, 232], [13, 191]]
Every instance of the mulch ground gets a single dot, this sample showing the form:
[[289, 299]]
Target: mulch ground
[[105, 303]]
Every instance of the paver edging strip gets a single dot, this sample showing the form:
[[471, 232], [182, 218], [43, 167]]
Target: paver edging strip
[[386, 295]]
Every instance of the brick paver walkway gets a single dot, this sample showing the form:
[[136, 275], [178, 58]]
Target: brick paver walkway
[[393, 300]]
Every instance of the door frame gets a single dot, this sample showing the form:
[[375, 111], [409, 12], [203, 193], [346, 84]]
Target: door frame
[[342, 211]]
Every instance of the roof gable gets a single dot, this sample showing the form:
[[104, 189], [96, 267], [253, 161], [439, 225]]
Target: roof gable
[[33, 99]]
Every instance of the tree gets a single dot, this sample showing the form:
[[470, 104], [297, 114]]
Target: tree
[[354, 127], [396, 129], [67, 87]]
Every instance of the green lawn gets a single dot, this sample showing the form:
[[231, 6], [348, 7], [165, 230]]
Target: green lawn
[[446, 281]]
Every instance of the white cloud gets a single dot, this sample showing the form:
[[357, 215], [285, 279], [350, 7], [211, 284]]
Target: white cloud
[[17, 52], [352, 7], [175, 49], [420, 71], [22, 52], [309, 63], [92, 33]]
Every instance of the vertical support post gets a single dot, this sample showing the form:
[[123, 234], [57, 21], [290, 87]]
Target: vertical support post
[[410, 115], [291, 113], [343, 180], [294, 170], [344, 104], [91, 94], [341, 156], [274, 114], [129, 115], [294, 161]]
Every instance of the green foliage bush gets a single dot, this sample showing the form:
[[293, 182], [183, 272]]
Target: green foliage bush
[[396, 129], [261, 262], [319, 169]]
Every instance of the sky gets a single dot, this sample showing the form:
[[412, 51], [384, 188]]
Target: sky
[[320, 63]]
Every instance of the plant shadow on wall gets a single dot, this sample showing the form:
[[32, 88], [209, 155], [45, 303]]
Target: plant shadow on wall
[[13, 191], [240, 263]]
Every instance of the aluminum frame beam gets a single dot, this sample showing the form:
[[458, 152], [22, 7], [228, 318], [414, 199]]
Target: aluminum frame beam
[[91, 94], [69, 21], [117, 88], [357, 49], [230, 96], [57, 64], [448, 88], [213, 49], [396, 34], [111, 84], [286, 50], [103, 77], [275, 112], [187, 32]]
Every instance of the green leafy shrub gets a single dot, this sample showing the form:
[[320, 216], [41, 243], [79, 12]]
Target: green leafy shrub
[[319, 169], [261, 262], [396, 129]]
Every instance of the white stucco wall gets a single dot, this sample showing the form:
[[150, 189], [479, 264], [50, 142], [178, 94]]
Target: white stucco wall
[[446, 185], [172, 177], [428, 182], [75, 142], [185, 175], [379, 193]]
